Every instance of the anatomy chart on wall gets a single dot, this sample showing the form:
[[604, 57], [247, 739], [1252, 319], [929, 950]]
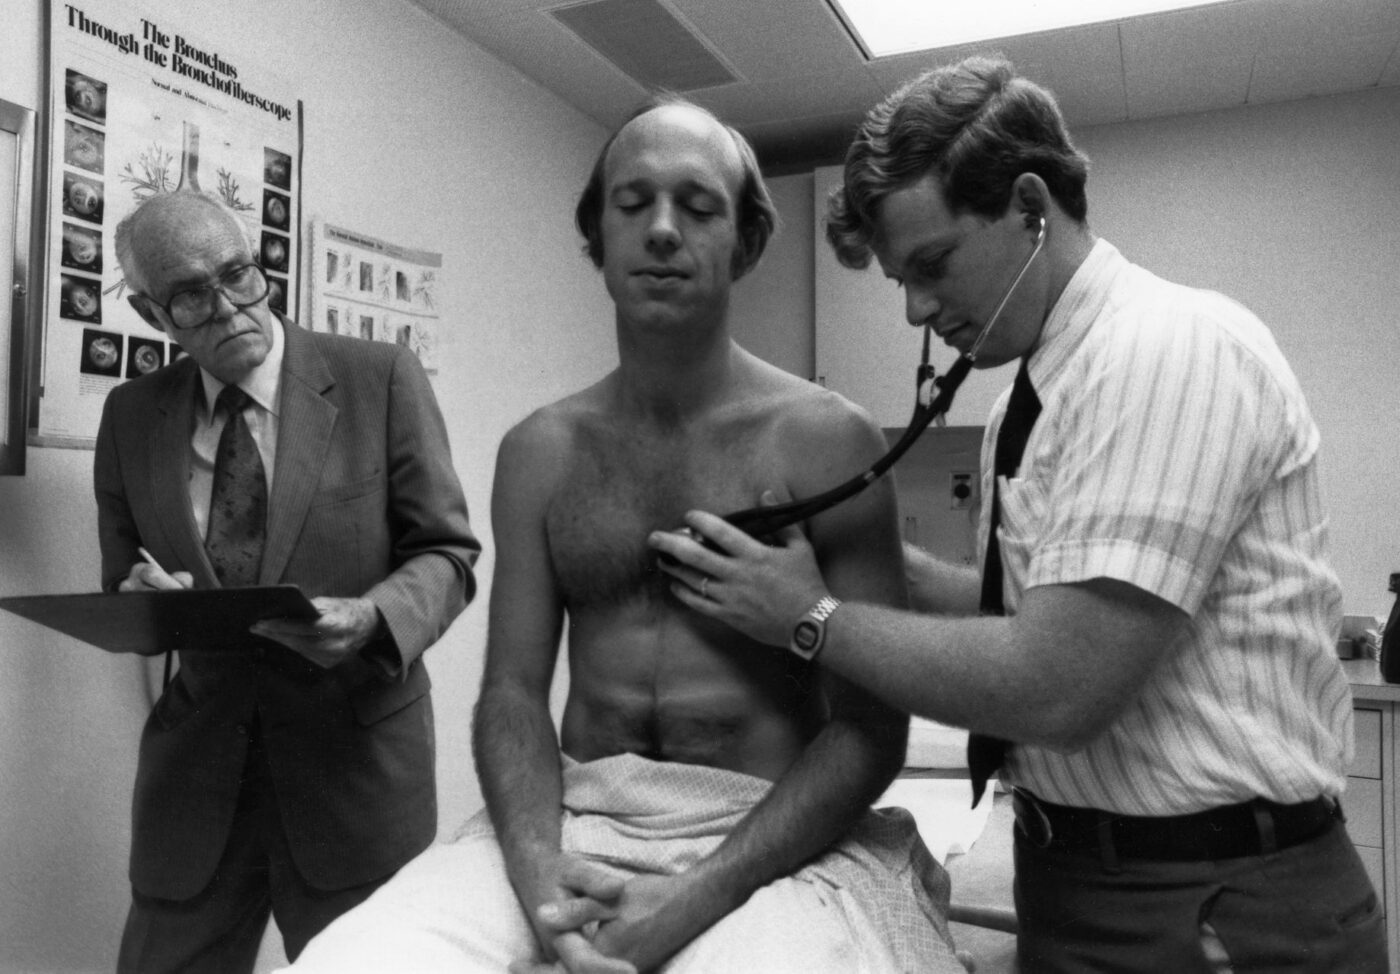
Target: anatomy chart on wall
[[139, 106], [372, 289]]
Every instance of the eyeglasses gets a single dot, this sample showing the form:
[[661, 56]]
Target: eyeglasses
[[196, 306]]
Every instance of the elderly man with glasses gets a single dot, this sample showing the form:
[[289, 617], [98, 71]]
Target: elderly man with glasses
[[296, 777]]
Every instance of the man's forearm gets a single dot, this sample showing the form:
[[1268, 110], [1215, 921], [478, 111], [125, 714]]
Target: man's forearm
[[826, 791], [812, 806], [1055, 674], [517, 759], [433, 546], [421, 598]]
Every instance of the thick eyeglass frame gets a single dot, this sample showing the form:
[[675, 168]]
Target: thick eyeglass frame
[[218, 287]]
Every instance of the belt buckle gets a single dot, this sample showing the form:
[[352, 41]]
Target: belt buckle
[[1034, 823]]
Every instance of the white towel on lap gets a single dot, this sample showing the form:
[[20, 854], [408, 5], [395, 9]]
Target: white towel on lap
[[875, 902]]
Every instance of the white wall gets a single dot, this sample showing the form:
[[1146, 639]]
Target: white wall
[[414, 136], [772, 308], [1293, 211]]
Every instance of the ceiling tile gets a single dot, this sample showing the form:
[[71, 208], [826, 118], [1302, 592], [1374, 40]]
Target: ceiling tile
[[648, 42], [1325, 66], [1286, 23], [795, 145], [554, 57], [805, 83], [1082, 66], [806, 39], [1308, 49], [809, 96], [467, 16], [1189, 61], [462, 13], [891, 72], [1391, 74]]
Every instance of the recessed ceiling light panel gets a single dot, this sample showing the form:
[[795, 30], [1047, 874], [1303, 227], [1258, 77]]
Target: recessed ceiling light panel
[[882, 28]]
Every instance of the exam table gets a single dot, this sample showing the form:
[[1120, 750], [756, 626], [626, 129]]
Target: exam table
[[982, 913], [973, 845]]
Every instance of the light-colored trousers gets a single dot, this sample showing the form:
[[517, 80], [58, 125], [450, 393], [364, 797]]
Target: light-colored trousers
[[877, 902]]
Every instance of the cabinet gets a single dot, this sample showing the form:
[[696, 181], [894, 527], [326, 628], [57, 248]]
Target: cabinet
[[866, 350], [1365, 796], [1370, 798]]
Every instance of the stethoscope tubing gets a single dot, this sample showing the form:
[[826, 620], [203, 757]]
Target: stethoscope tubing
[[761, 522]]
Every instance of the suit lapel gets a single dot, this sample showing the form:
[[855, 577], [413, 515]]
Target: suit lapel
[[305, 421], [170, 473]]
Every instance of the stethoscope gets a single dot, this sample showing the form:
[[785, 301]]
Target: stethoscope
[[761, 522]]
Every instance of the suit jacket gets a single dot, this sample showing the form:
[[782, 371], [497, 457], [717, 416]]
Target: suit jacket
[[364, 502]]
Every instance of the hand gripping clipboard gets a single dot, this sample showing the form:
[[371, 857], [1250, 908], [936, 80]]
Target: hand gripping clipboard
[[214, 620]]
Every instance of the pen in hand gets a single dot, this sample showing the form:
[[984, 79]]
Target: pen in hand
[[160, 578]]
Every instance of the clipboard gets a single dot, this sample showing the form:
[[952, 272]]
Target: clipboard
[[212, 620]]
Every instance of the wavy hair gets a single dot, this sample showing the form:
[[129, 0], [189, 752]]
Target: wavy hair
[[977, 125]]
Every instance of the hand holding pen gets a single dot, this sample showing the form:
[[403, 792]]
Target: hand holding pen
[[147, 575]]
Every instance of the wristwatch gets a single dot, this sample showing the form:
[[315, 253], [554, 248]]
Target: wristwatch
[[810, 632]]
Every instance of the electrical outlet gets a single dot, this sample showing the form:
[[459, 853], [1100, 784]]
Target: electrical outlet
[[962, 489]]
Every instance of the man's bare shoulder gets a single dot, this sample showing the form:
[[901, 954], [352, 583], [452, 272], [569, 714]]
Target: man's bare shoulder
[[805, 413], [552, 427]]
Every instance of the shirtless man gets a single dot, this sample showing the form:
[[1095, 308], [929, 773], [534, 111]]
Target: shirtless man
[[613, 848]]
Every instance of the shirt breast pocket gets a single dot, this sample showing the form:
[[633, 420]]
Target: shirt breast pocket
[[1023, 508]]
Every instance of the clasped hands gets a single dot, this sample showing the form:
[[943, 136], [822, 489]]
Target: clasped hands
[[760, 589], [342, 629], [599, 921]]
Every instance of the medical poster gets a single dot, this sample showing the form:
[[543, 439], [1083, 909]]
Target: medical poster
[[375, 290], [141, 105]]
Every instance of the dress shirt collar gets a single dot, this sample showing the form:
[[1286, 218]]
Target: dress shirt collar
[[263, 384], [1075, 310]]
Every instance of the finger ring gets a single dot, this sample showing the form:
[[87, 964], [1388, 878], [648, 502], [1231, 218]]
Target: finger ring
[[704, 586]]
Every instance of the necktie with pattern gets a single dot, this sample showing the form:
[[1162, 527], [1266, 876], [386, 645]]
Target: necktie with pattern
[[984, 752], [238, 502]]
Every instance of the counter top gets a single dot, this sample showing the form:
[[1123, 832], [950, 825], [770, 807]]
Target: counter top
[[1364, 675]]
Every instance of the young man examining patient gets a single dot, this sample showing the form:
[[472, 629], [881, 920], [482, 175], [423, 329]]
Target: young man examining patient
[[1162, 689]]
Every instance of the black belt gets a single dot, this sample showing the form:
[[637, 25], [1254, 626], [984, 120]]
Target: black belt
[[1251, 828]]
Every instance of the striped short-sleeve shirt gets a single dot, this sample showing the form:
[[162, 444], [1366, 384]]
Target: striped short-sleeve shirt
[[1175, 452]]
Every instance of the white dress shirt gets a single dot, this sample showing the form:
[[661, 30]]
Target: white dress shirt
[[1175, 452]]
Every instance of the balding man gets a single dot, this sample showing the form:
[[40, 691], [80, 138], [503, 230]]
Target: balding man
[[710, 809], [296, 776]]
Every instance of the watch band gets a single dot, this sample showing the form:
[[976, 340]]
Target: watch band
[[809, 635]]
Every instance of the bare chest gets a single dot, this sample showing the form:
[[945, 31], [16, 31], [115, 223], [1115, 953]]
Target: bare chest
[[620, 486]]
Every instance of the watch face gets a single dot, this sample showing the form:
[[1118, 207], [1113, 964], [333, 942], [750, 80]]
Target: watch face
[[806, 636]]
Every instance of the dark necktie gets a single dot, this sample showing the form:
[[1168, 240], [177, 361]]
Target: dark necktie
[[984, 752], [238, 502]]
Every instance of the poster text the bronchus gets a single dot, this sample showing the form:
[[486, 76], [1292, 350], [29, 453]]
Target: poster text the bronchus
[[173, 52]]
